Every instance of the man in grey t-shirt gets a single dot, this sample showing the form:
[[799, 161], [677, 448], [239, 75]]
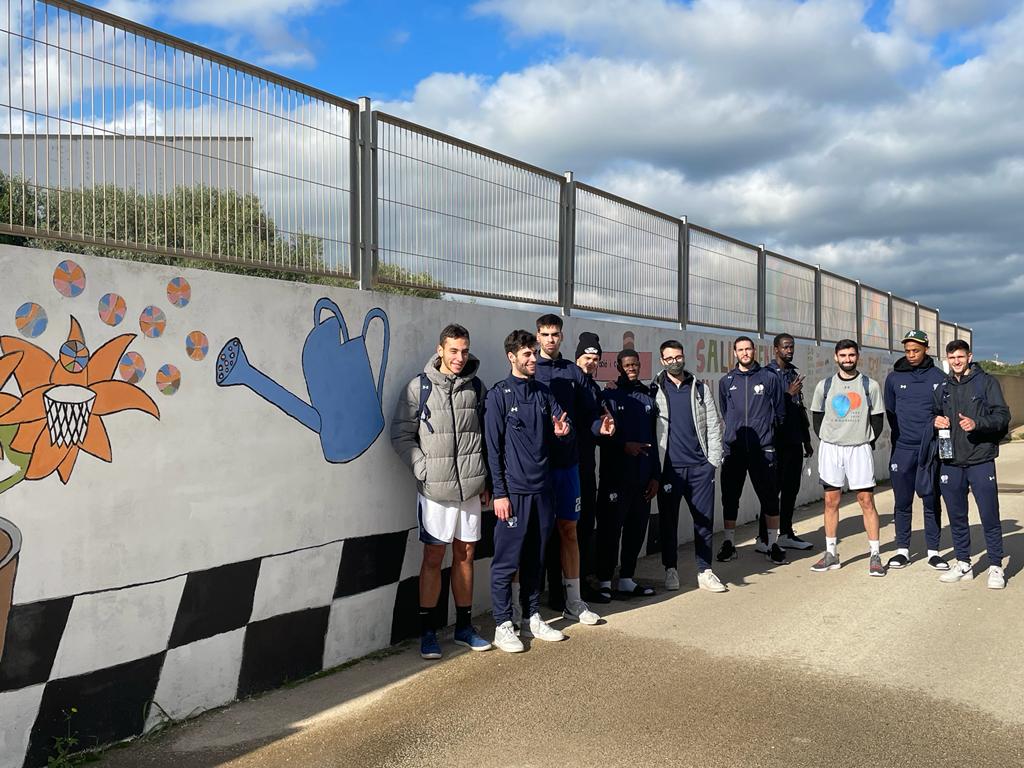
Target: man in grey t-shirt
[[847, 411]]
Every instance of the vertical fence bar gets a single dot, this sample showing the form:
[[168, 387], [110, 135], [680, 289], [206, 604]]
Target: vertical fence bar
[[567, 244], [892, 331], [368, 185], [762, 290], [683, 294], [860, 313], [817, 303]]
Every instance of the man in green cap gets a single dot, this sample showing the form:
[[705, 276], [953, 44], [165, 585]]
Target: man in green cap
[[909, 391]]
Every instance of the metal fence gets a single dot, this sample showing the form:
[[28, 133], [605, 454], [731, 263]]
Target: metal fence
[[120, 138]]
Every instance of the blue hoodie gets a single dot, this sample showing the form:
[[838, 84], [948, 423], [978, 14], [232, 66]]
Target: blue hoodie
[[752, 405], [575, 395], [909, 394], [519, 435]]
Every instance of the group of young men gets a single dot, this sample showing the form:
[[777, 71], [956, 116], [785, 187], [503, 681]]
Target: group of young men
[[529, 442]]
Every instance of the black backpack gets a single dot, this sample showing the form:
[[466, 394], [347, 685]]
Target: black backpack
[[427, 386]]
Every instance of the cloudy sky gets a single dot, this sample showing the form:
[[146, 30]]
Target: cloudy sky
[[883, 140]]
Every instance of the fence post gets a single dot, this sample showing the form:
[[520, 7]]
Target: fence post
[[567, 245], [859, 315], [917, 315], [355, 193], [683, 293], [817, 303], [892, 330], [762, 288], [368, 194]]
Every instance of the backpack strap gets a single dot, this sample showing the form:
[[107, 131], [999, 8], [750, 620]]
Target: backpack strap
[[827, 386], [866, 383], [422, 411]]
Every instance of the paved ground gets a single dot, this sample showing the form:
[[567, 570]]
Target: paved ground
[[790, 668]]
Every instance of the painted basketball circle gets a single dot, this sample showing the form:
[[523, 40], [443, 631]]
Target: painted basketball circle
[[132, 367], [152, 321], [69, 279], [74, 356], [179, 292], [112, 309], [197, 345], [30, 319], [168, 379]]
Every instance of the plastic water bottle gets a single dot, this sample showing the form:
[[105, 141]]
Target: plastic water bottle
[[945, 444]]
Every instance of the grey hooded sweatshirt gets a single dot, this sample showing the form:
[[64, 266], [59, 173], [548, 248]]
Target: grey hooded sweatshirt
[[445, 446]]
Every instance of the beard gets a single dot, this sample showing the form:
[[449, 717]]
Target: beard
[[848, 367]]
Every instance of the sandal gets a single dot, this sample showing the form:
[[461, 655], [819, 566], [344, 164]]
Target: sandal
[[638, 591]]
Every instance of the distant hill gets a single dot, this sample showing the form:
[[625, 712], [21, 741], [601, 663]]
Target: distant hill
[[993, 366]]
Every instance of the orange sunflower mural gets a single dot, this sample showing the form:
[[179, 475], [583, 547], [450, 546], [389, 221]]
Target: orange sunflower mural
[[63, 401]]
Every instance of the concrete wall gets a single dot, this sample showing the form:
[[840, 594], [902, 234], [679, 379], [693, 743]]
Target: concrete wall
[[205, 548], [1013, 391]]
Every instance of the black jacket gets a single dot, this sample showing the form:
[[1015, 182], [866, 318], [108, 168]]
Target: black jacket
[[795, 429], [636, 416], [977, 396]]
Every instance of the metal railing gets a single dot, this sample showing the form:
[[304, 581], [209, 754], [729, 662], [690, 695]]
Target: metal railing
[[122, 139]]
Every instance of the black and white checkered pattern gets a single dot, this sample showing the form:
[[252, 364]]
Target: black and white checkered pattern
[[202, 640]]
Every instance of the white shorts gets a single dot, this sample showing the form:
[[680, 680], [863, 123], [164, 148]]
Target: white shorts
[[853, 465], [441, 522]]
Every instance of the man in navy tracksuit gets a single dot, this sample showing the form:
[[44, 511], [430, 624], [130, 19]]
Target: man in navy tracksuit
[[588, 355], [752, 405], [909, 394], [575, 395], [629, 478], [521, 422], [970, 405]]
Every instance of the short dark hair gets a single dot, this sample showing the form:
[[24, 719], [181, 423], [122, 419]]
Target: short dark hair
[[546, 321], [670, 344], [627, 353], [743, 338], [453, 331], [847, 344], [519, 340], [781, 338], [958, 344]]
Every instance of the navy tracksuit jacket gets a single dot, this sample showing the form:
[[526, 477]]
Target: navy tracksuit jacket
[[575, 394], [519, 435], [623, 513], [977, 396], [752, 405], [909, 394]]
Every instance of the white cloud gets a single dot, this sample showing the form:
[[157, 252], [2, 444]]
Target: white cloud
[[929, 17]]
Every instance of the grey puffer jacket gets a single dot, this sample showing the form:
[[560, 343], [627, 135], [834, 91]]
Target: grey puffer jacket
[[448, 462], [706, 421]]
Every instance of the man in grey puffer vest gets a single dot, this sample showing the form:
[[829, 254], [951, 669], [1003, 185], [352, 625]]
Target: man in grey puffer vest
[[437, 430]]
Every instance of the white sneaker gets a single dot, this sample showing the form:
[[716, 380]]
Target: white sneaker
[[505, 638], [707, 580], [577, 610], [959, 571], [671, 579], [539, 629], [793, 542], [996, 579], [761, 547]]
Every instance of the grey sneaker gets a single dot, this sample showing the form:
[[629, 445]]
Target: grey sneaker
[[828, 562], [761, 547], [671, 579], [793, 542], [577, 610], [961, 571], [875, 567]]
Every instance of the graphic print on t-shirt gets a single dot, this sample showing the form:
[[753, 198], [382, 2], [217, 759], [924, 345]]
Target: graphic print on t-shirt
[[843, 403]]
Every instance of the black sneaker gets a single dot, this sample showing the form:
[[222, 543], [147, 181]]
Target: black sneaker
[[591, 595], [777, 555], [727, 552], [898, 561], [938, 563]]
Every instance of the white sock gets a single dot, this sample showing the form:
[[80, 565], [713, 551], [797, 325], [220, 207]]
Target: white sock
[[832, 545], [965, 565], [730, 535], [873, 545], [904, 552], [626, 585], [604, 584], [933, 553], [572, 590], [773, 536]]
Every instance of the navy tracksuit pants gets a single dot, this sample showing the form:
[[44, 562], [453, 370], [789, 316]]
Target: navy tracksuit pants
[[697, 486], [954, 482], [903, 473], [760, 465], [519, 544], [789, 464], [622, 515], [588, 520]]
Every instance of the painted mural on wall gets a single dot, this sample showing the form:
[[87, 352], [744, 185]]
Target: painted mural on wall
[[344, 405], [56, 409]]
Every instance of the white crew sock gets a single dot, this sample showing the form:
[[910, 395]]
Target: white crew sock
[[604, 584], [965, 565], [832, 545], [572, 590], [730, 535], [773, 536], [873, 546], [904, 552], [933, 553], [626, 585]]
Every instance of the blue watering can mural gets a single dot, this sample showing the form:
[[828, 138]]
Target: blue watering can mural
[[345, 406]]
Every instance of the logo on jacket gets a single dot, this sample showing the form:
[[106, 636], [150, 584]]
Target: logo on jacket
[[514, 409], [894, 467], [668, 488], [759, 389], [903, 386], [647, 409], [992, 478], [934, 387], [944, 479], [613, 497], [733, 387]]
